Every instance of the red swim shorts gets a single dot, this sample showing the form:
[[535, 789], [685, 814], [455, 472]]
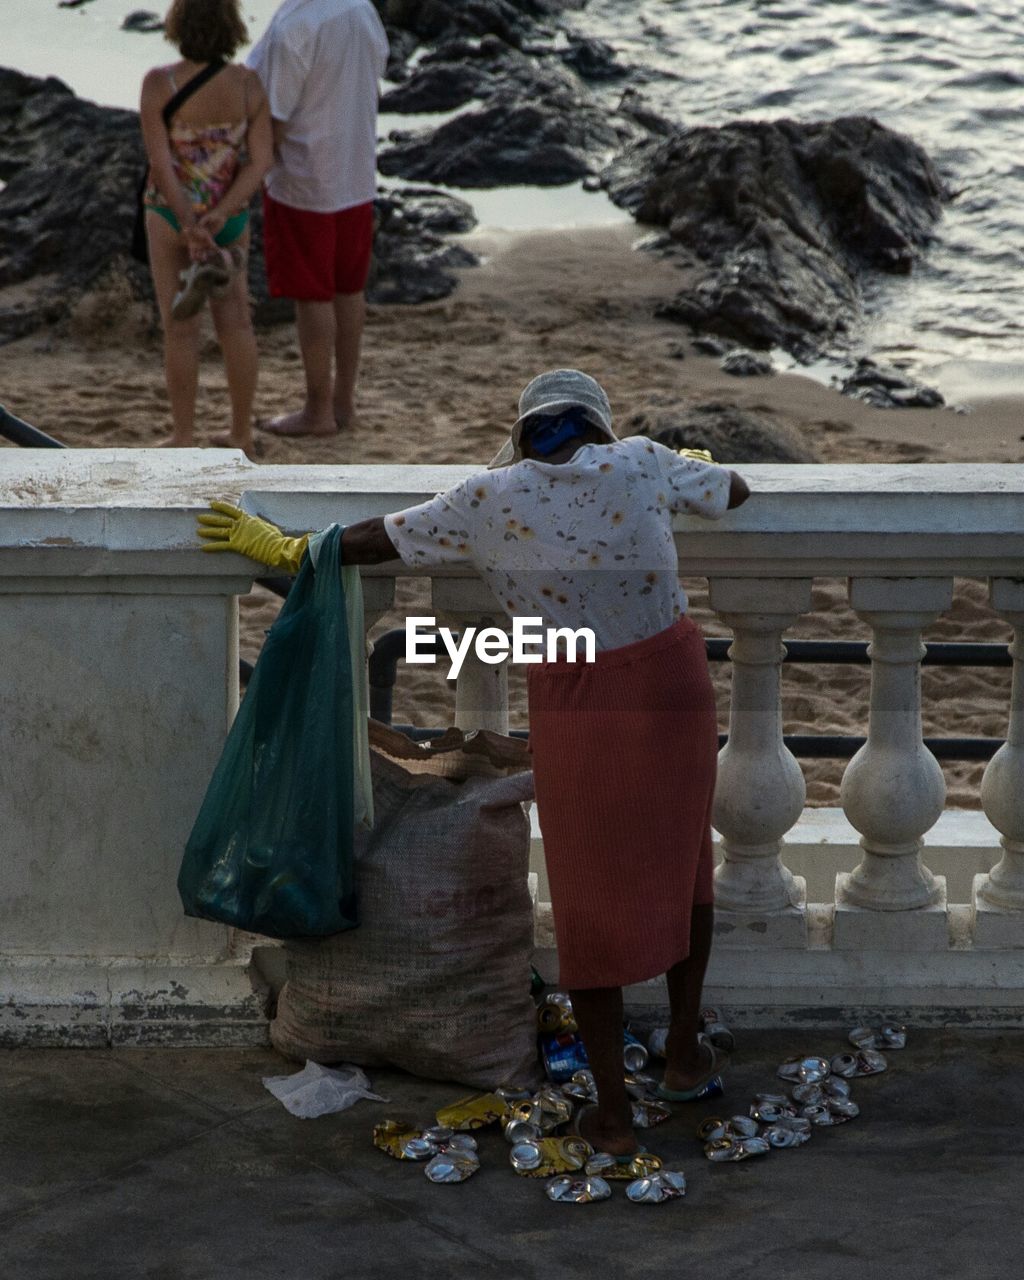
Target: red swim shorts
[[312, 256]]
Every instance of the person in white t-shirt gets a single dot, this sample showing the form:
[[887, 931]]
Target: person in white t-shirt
[[320, 62]]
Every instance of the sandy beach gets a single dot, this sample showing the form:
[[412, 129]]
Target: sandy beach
[[439, 383]]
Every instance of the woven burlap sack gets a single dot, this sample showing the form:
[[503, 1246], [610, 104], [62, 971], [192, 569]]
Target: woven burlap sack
[[436, 978]]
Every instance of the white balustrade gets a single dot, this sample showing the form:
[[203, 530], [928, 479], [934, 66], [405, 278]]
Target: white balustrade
[[481, 688], [761, 790], [119, 678], [999, 896], [893, 790]]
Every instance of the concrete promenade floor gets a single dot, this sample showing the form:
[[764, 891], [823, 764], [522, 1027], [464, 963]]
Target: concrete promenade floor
[[179, 1165]]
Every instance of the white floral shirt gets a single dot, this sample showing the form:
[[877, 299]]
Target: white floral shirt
[[584, 543]]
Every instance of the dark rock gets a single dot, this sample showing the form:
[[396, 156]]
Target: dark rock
[[708, 346], [552, 137], [436, 88], [732, 435], [744, 364], [401, 46], [412, 262], [511, 20], [592, 59], [460, 71], [142, 20], [783, 218], [72, 170], [887, 388]]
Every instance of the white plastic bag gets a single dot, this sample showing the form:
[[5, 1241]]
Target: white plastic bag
[[319, 1091]]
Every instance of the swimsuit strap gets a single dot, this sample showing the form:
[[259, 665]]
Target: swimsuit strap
[[170, 76]]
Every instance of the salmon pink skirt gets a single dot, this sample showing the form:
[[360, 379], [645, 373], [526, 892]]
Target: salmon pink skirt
[[624, 755]]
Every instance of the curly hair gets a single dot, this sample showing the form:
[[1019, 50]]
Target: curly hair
[[205, 30]]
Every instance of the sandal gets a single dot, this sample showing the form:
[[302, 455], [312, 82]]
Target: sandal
[[718, 1061], [574, 1128], [197, 282]]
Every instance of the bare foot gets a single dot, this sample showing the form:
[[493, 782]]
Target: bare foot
[[252, 449], [300, 423], [617, 1141], [686, 1071], [345, 419]]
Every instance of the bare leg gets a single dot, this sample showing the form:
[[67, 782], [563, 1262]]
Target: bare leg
[[233, 323], [316, 328], [167, 257], [598, 1013], [688, 1062], [350, 317]]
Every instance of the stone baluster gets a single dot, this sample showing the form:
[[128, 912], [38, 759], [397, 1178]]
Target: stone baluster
[[999, 896], [761, 791], [481, 688], [893, 790]]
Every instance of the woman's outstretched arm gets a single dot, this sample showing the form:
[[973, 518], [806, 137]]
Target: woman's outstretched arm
[[367, 543]]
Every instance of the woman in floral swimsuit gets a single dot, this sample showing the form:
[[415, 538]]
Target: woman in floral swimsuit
[[204, 170]]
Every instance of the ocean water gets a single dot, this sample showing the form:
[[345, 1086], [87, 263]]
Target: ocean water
[[950, 73]]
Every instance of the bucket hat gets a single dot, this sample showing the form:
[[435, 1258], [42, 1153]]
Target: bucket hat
[[551, 393]]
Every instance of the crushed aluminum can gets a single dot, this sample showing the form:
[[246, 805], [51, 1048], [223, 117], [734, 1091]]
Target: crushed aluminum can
[[643, 1165], [526, 1156], [836, 1087], [577, 1092], [599, 1163], [892, 1035], [776, 1099], [866, 1062], [657, 1042], [817, 1113], [657, 1189], [439, 1134], [842, 1109], [452, 1166], [729, 1150], [871, 1063], [809, 1094], [511, 1093], [391, 1136], [555, 1109], [641, 1087], [810, 1070], [475, 1112], [554, 1013], [418, 1149], [557, 1155], [563, 1054], [711, 1128], [771, 1112], [714, 1029], [522, 1131], [797, 1124], [568, 1190], [461, 1142], [863, 1038], [648, 1114], [743, 1126], [779, 1136], [634, 1054]]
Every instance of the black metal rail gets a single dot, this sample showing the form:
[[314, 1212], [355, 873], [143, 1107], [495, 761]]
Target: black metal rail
[[383, 674]]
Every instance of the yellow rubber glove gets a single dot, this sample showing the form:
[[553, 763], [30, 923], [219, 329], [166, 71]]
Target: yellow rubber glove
[[230, 529], [700, 455]]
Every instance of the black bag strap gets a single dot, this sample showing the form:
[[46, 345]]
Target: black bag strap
[[187, 90]]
